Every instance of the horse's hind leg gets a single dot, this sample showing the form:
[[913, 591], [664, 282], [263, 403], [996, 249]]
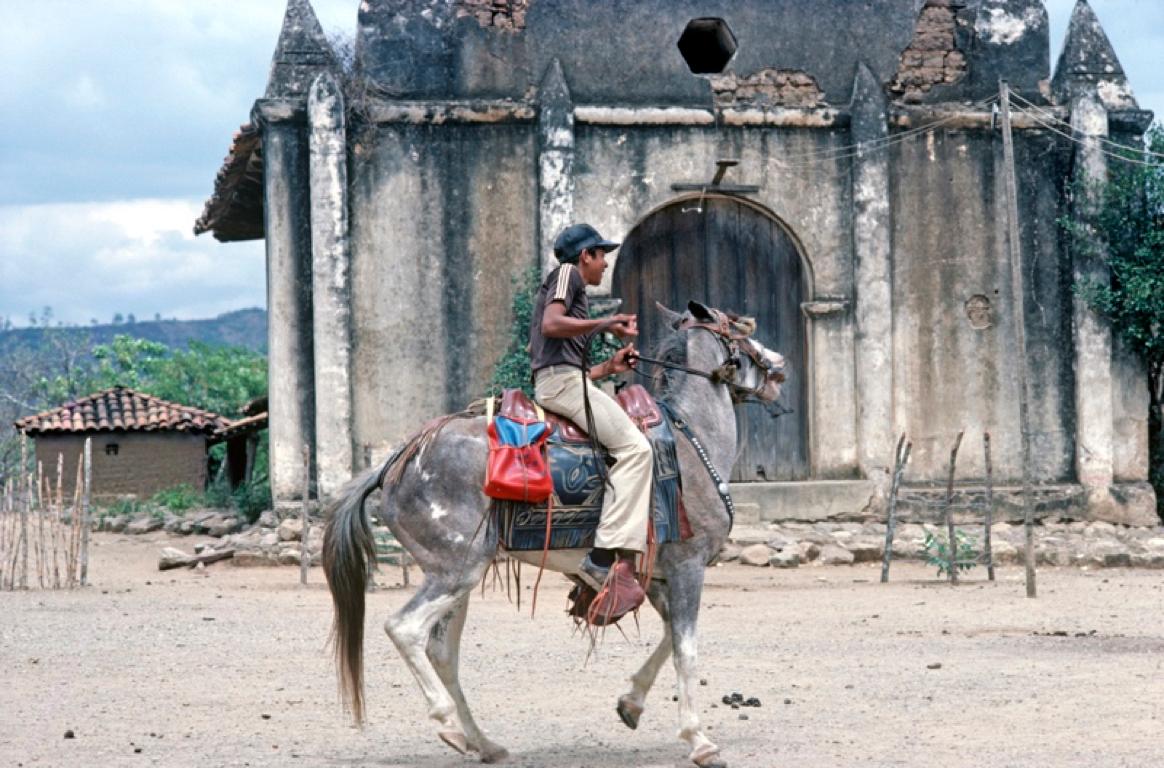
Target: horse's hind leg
[[410, 629], [630, 704], [444, 651], [684, 588]]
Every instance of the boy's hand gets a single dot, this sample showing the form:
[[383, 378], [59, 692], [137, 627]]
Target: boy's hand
[[623, 359], [623, 326]]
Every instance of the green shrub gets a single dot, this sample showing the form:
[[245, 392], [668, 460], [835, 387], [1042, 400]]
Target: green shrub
[[124, 507], [937, 551], [512, 370], [177, 499], [252, 499]]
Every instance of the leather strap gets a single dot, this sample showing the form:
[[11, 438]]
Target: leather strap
[[721, 487]]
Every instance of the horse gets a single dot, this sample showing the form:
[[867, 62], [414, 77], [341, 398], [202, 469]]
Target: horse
[[432, 501]]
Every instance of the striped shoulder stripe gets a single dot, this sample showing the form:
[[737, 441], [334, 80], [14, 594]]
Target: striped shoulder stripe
[[562, 289]]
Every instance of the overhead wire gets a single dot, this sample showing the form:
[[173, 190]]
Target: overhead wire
[[1083, 142], [852, 150], [1103, 139], [814, 159]]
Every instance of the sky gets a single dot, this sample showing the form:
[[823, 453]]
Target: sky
[[118, 113]]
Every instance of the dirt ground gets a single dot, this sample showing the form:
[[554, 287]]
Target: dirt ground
[[228, 667]]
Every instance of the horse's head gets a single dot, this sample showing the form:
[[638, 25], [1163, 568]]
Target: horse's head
[[749, 369]]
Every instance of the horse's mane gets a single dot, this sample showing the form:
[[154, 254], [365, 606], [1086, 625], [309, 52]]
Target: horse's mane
[[393, 470], [672, 348]]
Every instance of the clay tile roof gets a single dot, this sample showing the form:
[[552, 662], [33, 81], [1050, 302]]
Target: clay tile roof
[[247, 426], [121, 409], [235, 210]]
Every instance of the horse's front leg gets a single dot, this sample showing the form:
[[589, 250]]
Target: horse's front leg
[[684, 589], [444, 651], [631, 704]]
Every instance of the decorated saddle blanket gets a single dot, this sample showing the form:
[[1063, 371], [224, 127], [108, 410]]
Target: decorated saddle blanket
[[576, 504]]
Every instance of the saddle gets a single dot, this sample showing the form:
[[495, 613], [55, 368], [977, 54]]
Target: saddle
[[578, 485]]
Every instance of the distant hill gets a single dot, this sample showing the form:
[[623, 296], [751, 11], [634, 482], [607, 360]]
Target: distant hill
[[242, 328]]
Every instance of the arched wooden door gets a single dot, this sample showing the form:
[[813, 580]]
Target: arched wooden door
[[731, 255]]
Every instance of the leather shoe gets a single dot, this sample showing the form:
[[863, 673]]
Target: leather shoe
[[592, 574], [620, 594]]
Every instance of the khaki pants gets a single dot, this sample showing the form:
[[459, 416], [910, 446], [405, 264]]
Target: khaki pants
[[626, 504]]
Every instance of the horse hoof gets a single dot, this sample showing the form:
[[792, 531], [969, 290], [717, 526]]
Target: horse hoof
[[708, 757], [456, 740], [629, 712], [494, 754]]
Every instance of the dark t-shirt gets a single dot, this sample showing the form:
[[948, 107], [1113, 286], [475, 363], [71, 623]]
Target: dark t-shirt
[[564, 284]]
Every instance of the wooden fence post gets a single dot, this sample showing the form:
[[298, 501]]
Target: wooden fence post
[[952, 543], [304, 552], [85, 500], [900, 459], [988, 547]]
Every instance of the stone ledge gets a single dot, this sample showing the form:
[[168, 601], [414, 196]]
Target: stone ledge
[[810, 500], [854, 500]]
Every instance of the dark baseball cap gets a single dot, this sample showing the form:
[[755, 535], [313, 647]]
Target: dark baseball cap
[[577, 238]]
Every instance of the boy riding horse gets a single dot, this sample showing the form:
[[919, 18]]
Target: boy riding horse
[[560, 332]]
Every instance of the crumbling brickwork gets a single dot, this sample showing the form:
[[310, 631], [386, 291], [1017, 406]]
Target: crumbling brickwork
[[932, 58], [767, 88], [499, 14]]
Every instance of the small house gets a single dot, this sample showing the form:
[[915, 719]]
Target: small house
[[141, 443]]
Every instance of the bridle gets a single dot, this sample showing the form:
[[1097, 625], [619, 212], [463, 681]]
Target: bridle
[[734, 338]]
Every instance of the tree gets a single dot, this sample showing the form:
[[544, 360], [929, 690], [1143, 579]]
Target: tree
[[1126, 230]]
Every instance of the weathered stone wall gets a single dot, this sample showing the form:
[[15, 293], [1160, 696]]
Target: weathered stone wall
[[620, 53], [443, 220], [623, 173], [954, 347], [143, 465]]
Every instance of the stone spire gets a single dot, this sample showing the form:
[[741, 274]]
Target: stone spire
[[301, 53], [1089, 60]]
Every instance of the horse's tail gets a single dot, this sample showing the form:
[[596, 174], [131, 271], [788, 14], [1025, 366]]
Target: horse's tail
[[349, 558]]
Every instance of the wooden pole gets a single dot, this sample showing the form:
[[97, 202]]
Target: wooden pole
[[41, 550], [85, 499], [304, 553], [75, 521], [26, 503], [58, 531], [900, 459], [4, 534], [5, 523], [951, 539], [1020, 328], [989, 521]]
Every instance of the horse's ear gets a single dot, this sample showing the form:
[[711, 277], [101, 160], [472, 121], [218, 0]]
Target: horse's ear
[[700, 312], [671, 317]]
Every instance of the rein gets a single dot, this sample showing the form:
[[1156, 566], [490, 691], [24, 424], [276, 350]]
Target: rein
[[725, 373]]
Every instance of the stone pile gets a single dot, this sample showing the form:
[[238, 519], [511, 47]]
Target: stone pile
[[1080, 544]]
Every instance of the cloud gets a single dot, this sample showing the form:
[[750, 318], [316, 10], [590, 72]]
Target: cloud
[[92, 260], [132, 98]]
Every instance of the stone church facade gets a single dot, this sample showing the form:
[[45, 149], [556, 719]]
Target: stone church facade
[[834, 168]]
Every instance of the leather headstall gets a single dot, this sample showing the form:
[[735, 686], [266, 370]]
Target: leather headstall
[[734, 335]]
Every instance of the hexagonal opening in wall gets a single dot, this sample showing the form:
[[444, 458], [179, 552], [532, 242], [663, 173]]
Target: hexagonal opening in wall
[[707, 45]]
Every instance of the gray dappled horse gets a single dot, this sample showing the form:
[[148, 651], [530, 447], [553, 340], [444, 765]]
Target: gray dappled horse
[[434, 505]]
